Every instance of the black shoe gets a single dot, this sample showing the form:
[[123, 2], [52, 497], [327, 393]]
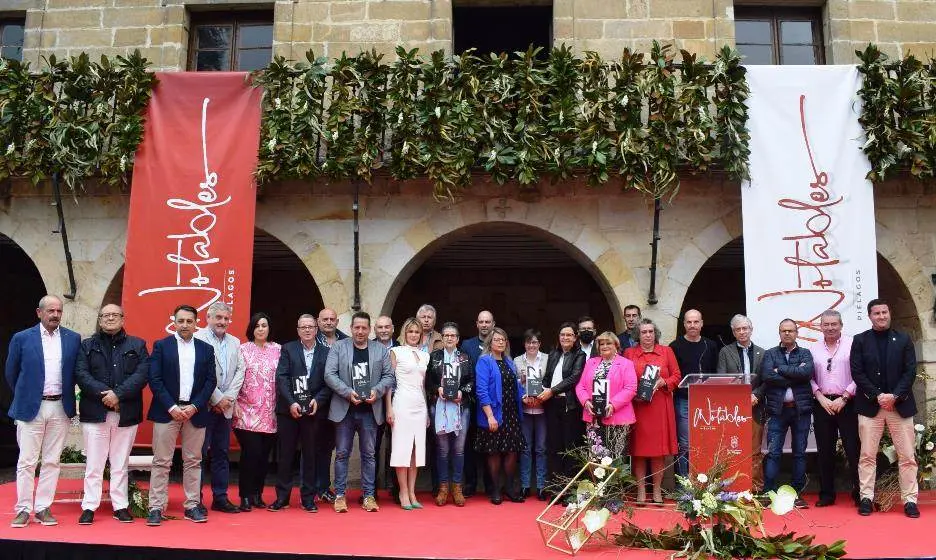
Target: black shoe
[[800, 503], [515, 498], [257, 501], [525, 492], [541, 495], [310, 506], [123, 516], [825, 502], [911, 510], [246, 505], [496, 498], [865, 507], [201, 507], [468, 491], [195, 515], [278, 505], [224, 506], [87, 517], [328, 496], [154, 518]]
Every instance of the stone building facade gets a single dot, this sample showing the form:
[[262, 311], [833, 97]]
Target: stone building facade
[[601, 234]]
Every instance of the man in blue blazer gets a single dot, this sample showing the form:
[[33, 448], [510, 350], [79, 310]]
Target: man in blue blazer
[[182, 378], [40, 370]]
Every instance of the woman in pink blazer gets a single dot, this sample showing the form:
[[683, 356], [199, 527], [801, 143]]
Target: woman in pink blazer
[[621, 383]]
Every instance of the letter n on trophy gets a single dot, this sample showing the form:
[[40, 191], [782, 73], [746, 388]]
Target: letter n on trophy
[[300, 391], [534, 381], [600, 396], [647, 382], [450, 381], [360, 377]]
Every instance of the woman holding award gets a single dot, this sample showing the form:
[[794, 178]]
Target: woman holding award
[[608, 385], [255, 410], [531, 365], [407, 413], [450, 384], [499, 411], [654, 434]]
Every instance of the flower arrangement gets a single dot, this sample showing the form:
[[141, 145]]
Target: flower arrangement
[[609, 451], [720, 523]]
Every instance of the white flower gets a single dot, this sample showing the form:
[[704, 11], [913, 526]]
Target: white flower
[[271, 144], [572, 507], [577, 539], [782, 501], [919, 427], [277, 102], [493, 155], [10, 148], [594, 146], [697, 506], [600, 472], [438, 112], [930, 446], [561, 116], [405, 146], [702, 477], [400, 119], [606, 462], [594, 520]]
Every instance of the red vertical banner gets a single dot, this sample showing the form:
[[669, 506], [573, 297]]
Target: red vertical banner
[[191, 227], [720, 429]]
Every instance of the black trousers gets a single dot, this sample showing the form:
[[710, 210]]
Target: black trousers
[[289, 432], [254, 461], [322, 453], [565, 431], [828, 428]]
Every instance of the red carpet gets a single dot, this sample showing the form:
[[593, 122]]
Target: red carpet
[[479, 530]]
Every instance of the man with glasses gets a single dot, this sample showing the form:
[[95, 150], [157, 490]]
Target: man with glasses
[[834, 412], [787, 370], [111, 372]]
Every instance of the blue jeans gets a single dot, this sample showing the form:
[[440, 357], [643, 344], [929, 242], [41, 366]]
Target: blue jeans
[[449, 443], [361, 422], [681, 404], [534, 432], [216, 447], [777, 427]]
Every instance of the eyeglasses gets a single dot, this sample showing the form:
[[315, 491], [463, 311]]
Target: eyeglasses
[[449, 335], [306, 328], [110, 315]]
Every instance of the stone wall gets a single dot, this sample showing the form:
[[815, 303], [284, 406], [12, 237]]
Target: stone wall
[[159, 28]]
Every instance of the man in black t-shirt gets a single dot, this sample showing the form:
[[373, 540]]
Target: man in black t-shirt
[[695, 354]]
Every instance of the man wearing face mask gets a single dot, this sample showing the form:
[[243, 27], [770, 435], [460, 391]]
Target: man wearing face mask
[[587, 330]]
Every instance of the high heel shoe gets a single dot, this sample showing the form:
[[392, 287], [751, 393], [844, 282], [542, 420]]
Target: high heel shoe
[[407, 507], [496, 498], [515, 498], [416, 505]]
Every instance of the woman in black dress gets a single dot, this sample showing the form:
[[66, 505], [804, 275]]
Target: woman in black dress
[[499, 414]]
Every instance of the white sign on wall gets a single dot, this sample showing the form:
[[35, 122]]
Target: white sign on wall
[[808, 211]]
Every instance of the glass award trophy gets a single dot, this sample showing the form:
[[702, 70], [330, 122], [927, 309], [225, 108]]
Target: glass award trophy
[[300, 392], [360, 380], [534, 381], [647, 382], [451, 378], [600, 396]]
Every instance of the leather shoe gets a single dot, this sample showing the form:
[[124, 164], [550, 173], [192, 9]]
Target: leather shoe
[[87, 517], [541, 495], [496, 498], [195, 515], [825, 502], [515, 498], [525, 492], [246, 505], [911, 510], [257, 501], [468, 491], [154, 518], [310, 506], [224, 506], [865, 507], [800, 503], [123, 516], [278, 505]]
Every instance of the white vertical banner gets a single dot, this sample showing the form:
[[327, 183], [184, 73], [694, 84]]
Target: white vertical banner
[[808, 211]]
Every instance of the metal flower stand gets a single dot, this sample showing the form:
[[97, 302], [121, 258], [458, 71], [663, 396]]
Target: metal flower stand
[[573, 516]]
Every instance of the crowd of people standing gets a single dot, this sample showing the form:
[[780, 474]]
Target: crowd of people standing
[[453, 404]]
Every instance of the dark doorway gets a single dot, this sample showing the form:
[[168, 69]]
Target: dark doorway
[[526, 278], [717, 291], [22, 289], [281, 287], [503, 27]]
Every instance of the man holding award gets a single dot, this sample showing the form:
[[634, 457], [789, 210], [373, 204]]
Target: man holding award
[[358, 371], [301, 390]]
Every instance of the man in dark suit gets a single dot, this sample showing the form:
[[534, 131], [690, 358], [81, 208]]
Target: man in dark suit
[[745, 357], [40, 370], [111, 372], [628, 338], [299, 374], [473, 347], [787, 370], [883, 366], [182, 378]]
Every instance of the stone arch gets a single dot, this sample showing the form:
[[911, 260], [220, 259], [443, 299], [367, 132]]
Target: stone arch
[[580, 240]]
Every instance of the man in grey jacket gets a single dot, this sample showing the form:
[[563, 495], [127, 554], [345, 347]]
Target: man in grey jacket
[[352, 363], [229, 368]]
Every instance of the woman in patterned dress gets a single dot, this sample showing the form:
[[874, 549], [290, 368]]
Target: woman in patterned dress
[[255, 410], [500, 408]]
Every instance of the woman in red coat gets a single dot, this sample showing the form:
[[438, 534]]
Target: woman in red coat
[[654, 434]]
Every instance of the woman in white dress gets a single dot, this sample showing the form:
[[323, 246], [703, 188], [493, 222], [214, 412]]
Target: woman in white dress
[[407, 413]]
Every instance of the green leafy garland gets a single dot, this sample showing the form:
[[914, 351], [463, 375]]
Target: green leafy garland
[[898, 114], [524, 117]]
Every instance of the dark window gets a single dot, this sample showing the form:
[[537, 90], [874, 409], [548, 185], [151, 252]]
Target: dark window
[[11, 38], [779, 35], [500, 29], [239, 41]]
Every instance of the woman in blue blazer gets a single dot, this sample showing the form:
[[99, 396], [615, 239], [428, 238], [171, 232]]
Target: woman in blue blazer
[[499, 413]]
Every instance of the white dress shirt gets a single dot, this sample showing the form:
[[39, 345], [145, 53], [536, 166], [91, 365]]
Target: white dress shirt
[[557, 373], [52, 356], [186, 367]]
